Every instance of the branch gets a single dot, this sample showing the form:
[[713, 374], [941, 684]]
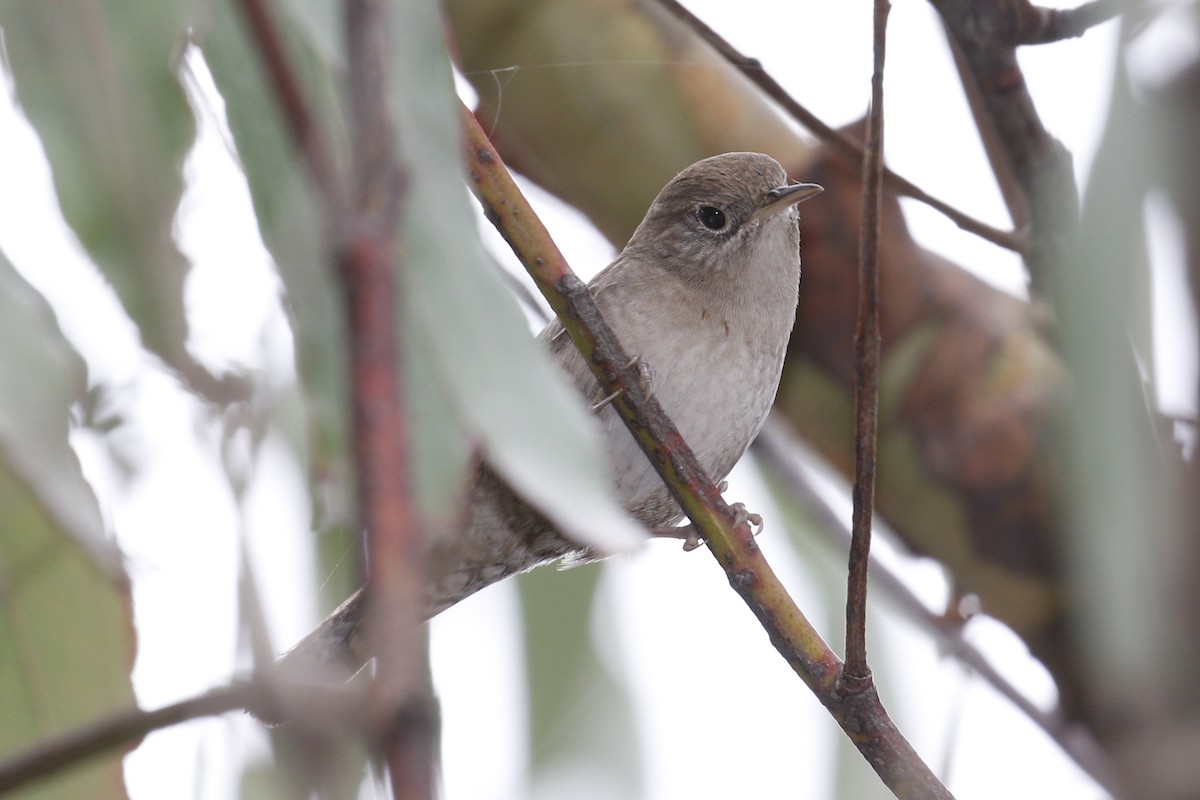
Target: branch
[[402, 719], [312, 708], [731, 543], [857, 675], [1043, 25], [986, 35], [120, 729], [776, 447], [841, 143], [365, 252]]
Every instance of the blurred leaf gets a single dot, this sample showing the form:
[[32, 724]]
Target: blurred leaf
[[66, 642], [483, 365], [292, 227], [324, 768], [1122, 553], [533, 427], [97, 81], [40, 378], [66, 635], [581, 719]]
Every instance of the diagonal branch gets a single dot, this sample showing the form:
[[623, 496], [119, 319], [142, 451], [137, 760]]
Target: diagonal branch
[[312, 707], [109, 733], [841, 143], [857, 675], [776, 447], [731, 542], [986, 35]]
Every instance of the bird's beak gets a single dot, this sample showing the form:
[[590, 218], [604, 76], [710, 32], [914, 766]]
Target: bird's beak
[[784, 197]]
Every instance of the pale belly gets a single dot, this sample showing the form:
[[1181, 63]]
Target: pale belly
[[716, 387]]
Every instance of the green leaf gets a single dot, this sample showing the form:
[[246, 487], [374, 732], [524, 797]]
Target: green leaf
[[40, 378], [533, 428], [97, 80], [467, 346], [66, 634], [581, 718], [292, 227], [1122, 549]]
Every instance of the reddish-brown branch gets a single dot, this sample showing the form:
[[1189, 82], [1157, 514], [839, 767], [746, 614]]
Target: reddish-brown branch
[[857, 674], [402, 719], [839, 142], [861, 715]]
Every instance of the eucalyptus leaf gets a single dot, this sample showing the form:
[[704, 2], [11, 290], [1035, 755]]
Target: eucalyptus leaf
[[1120, 544], [40, 378], [533, 428], [66, 633], [66, 642], [290, 220], [98, 82], [294, 226], [457, 316], [581, 718]]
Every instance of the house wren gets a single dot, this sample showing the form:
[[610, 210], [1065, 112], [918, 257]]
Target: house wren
[[704, 294]]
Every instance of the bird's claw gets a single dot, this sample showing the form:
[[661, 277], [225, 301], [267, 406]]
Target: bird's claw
[[691, 536], [688, 533], [645, 383], [603, 402], [645, 374], [742, 514]]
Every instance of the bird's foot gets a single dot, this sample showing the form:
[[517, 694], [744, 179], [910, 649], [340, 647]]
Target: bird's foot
[[645, 383], [688, 533], [645, 374], [603, 402], [742, 514], [691, 537]]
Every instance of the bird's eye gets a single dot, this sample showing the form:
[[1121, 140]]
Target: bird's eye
[[711, 218]]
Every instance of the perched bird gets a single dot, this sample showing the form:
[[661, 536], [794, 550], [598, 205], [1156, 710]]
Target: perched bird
[[704, 294]]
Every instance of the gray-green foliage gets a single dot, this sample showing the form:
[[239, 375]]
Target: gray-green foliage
[[66, 640], [100, 82]]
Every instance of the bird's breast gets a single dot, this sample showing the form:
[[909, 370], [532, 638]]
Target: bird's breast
[[715, 370]]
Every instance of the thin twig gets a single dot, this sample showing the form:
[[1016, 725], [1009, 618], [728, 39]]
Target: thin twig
[[115, 731], [775, 445], [841, 143], [402, 716], [857, 674], [1044, 25], [313, 708], [730, 541]]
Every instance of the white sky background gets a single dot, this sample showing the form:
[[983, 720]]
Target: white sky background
[[670, 611]]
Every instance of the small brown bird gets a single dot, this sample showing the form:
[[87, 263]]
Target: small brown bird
[[705, 295]]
